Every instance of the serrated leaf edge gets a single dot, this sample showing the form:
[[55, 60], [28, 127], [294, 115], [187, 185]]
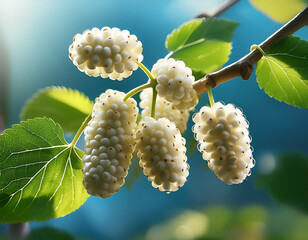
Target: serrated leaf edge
[[36, 95], [179, 29], [68, 160], [285, 94]]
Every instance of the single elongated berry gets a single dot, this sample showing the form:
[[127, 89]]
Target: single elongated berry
[[164, 108], [161, 150], [222, 132], [108, 52], [174, 83], [110, 141]]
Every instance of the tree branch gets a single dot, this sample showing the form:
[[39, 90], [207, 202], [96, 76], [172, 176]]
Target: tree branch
[[218, 11], [244, 67], [19, 230]]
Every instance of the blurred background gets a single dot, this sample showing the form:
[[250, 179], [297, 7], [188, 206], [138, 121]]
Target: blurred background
[[34, 40]]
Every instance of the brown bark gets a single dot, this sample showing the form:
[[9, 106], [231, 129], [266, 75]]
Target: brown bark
[[244, 67]]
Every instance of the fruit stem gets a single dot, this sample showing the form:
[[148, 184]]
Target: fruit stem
[[136, 90], [210, 94], [80, 130], [146, 71], [154, 97], [168, 55]]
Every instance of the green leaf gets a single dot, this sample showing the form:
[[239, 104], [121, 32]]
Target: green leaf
[[198, 75], [67, 107], [287, 183], [280, 10], [49, 233], [201, 29], [206, 56], [203, 44], [192, 145], [134, 173], [40, 173], [283, 72]]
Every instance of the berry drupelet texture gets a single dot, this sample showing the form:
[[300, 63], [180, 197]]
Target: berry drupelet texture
[[161, 150], [175, 83], [224, 141], [164, 108], [110, 142], [106, 52]]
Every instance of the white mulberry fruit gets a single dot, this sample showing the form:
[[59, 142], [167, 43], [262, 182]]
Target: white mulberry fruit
[[222, 132], [164, 108], [110, 141], [161, 150], [175, 83], [108, 52]]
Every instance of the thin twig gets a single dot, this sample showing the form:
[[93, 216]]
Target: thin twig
[[218, 11], [19, 230], [244, 67]]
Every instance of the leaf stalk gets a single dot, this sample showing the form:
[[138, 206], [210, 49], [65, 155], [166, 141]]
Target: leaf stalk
[[80, 130]]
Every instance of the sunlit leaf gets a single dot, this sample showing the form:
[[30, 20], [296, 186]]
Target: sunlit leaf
[[40, 173], [67, 107], [206, 56], [280, 10], [288, 181], [203, 44], [283, 72]]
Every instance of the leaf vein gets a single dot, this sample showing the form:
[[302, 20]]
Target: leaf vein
[[33, 133], [288, 78], [33, 150]]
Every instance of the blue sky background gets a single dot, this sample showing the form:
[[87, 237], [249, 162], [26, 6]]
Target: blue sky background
[[35, 38]]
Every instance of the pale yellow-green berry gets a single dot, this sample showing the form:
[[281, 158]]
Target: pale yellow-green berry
[[175, 83], [110, 141], [106, 52], [222, 132], [161, 150], [163, 108]]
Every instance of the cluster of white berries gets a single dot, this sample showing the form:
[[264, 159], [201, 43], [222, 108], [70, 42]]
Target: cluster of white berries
[[222, 132], [112, 134], [175, 83], [110, 141], [163, 109], [161, 150], [108, 52]]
